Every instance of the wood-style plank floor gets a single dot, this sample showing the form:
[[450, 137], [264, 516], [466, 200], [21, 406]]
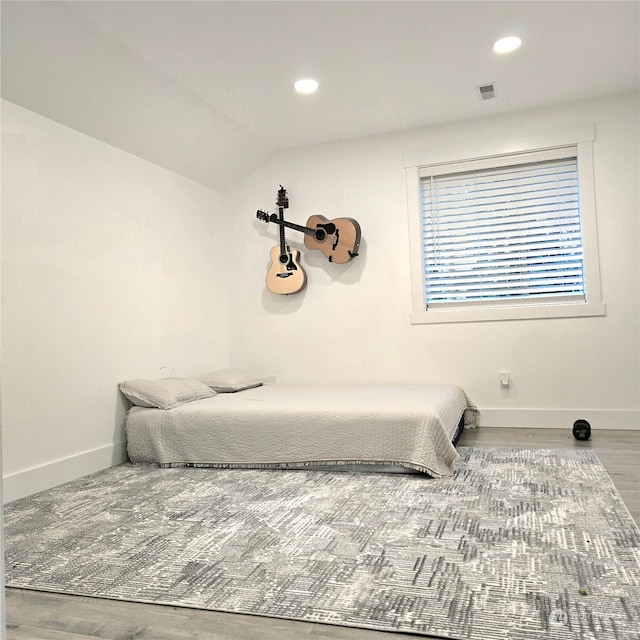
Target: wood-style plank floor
[[36, 615]]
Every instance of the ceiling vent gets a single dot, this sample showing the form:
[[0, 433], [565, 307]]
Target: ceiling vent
[[487, 91]]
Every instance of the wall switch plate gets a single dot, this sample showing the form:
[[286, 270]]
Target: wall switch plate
[[505, 378]]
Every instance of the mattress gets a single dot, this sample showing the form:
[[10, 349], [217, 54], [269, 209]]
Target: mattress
[[411, 426]]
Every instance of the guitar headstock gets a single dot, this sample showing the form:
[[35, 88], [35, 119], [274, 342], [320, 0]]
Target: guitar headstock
[[283, 201], [266, 217]]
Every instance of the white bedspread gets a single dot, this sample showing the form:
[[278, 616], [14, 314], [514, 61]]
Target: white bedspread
[[286, 425]]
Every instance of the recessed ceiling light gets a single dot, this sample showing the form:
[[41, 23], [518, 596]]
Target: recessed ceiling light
[[506, 45], [306, 85]]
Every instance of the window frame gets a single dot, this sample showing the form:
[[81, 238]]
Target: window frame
[[484, 152]]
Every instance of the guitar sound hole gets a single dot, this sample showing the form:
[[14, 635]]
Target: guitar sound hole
[[321, 235], [284, 258], [329, 228]]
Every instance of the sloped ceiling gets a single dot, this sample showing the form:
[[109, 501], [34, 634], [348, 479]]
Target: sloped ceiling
[[204, 88]]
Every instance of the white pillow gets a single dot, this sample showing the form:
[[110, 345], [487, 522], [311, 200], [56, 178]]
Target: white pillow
[[165, 393], [230, 380]]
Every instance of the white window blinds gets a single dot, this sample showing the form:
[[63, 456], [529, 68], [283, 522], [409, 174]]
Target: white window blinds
[[502, 235]]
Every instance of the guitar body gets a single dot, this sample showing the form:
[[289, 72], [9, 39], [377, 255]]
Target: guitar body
[[285, 274], [338, 239]]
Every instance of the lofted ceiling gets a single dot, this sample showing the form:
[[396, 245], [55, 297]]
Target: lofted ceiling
[[205, 88]]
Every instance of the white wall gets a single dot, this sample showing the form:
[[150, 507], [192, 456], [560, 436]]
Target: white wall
[[112, 268], [352, 322], [2, 591]]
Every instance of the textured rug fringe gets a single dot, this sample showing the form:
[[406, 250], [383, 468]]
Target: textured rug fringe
[[408, 466]]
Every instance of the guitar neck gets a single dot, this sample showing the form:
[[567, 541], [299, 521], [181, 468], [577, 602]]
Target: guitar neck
[[280, 219], [322, 230], [290, 225]]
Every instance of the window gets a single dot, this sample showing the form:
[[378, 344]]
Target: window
[[503, 235], [508, 235]]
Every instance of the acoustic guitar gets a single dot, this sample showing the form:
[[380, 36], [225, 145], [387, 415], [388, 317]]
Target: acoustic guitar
[[285, 274], [338, 239]]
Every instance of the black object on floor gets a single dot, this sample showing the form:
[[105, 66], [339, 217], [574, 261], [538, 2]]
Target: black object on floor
[[581, 430]]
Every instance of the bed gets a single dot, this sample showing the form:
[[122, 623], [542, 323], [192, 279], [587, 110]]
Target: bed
[[386, 427]]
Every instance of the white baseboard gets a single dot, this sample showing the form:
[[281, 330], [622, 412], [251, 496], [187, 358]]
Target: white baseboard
[[559, 418], [30, 481]]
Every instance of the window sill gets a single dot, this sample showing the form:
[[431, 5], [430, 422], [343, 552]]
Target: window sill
[[528, 312]]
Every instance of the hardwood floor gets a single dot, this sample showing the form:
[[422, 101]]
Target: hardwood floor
[[36, 615]]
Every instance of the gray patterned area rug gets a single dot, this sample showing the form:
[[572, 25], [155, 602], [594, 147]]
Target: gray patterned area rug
[[516, 544]]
